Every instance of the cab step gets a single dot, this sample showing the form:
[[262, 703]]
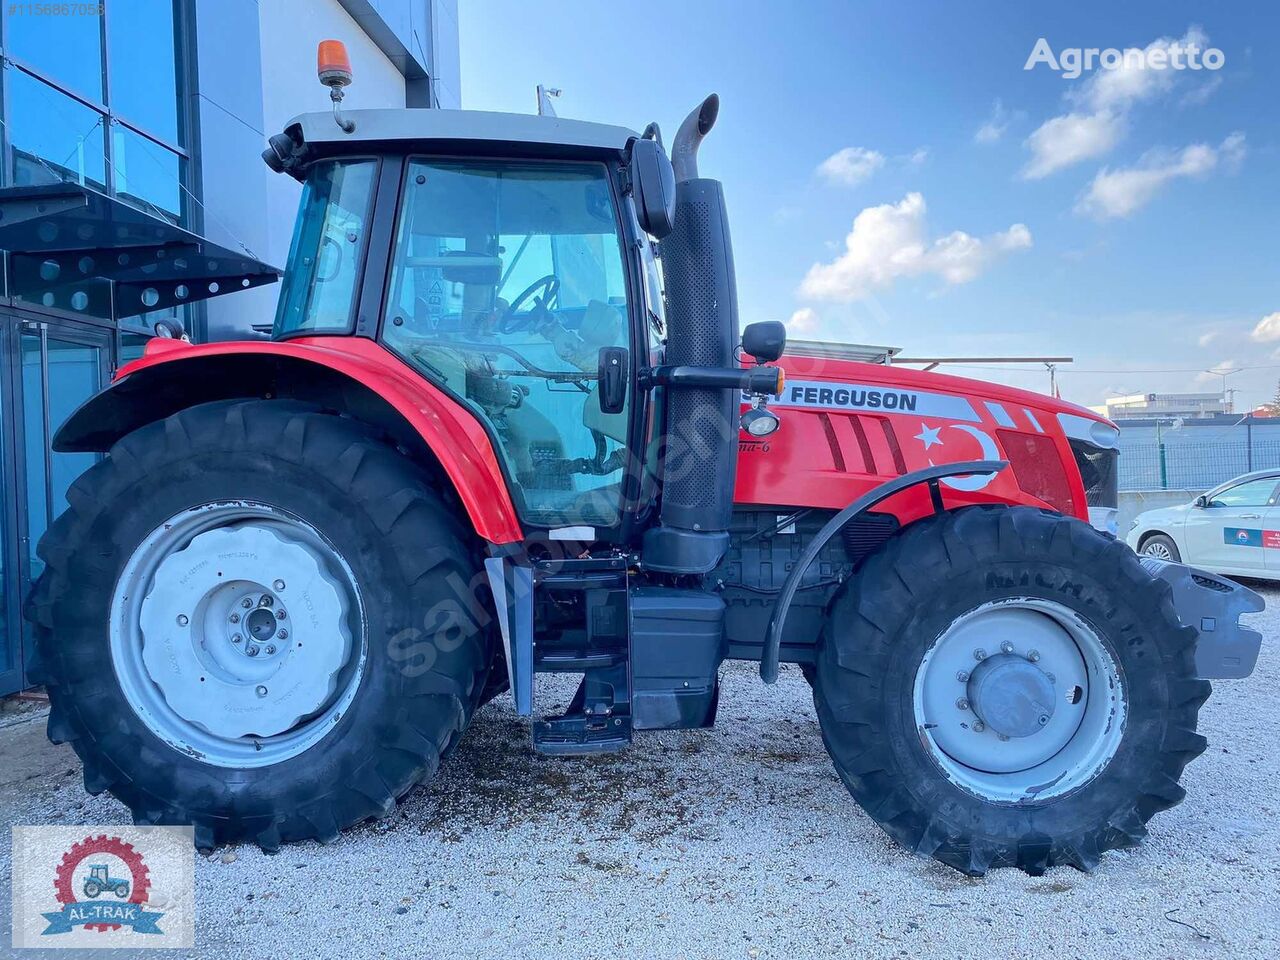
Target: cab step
[[580, 734]]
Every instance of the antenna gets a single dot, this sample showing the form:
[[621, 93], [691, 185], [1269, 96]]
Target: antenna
[[545, 109]]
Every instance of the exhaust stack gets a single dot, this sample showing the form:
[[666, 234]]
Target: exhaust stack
[[702, 331]]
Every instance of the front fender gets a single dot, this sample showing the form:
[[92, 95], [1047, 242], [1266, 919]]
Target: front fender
[[349, 374]]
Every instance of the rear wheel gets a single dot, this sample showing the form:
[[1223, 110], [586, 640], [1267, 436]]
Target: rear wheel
[[1007, 687], [264, 601], [1161, 547]]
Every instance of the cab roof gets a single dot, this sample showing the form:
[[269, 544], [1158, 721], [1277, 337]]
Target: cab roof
[[454, 128]]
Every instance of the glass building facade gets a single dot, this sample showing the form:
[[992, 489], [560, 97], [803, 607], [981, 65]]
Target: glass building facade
[[77, 104]]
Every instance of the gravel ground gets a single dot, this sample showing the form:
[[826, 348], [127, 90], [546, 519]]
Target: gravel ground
[[733, 842]]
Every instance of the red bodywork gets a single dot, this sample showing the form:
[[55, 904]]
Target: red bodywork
[[832, 446], [452, 433]]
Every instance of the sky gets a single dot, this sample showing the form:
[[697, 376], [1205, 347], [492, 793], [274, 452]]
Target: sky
[[896, 176]]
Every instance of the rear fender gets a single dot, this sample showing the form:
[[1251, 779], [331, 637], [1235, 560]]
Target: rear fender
[[347, 375]]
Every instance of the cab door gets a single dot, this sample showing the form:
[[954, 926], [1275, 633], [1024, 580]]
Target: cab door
[[1231, 531], [506, 287]]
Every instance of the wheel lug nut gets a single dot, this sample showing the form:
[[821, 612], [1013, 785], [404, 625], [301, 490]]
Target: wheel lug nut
[[1002, 736], [271, 648], [278, 585], [261, 691], [280, 614], [1006, 647], [283, 634], [1033, 656], [962, 676], [978, 726], [1043, 720], [252, 651], [246, 603], [237, 638], [1052, 678], [182, 620], [962, 704], [979, 654], [234, 618]]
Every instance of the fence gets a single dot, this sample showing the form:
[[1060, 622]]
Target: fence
[[1187, 464]]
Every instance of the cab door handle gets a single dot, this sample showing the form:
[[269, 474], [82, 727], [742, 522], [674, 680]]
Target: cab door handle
[[1250, 516]]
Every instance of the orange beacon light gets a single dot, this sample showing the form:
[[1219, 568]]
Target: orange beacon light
[[333, 66]]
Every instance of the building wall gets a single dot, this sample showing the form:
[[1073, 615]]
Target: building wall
[[290, 31], [256, 67]]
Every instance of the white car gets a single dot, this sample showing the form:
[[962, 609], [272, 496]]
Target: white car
[[1233, 529]]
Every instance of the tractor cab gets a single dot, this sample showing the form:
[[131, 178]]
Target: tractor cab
[[502, 258]]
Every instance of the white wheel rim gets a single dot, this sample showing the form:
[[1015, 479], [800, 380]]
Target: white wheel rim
[[1019, 701], [237, 634], [1158, 550]]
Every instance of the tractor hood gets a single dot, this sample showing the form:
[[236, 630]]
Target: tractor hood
[[884, 376], [847, 425]]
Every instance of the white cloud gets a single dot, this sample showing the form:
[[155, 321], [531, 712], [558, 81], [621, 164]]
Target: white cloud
[[1133, 81], [1207, 338], [1200, 95], [1122, 191], [1268, 328], [851, 165], [1069, 139], [995, 126], [890, 241], [918, 156], [1101, 103], [804, 320]]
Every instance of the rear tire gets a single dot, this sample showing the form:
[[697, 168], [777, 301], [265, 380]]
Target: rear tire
[[1068, 588], [1161, 547], [415, 659]]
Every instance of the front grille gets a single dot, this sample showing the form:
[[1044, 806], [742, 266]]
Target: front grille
[[1038, 467], [1099, 470]]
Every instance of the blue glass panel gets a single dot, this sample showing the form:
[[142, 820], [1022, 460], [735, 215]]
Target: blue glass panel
[[144, 90], [146, 174], [53, 137], [61, 40]]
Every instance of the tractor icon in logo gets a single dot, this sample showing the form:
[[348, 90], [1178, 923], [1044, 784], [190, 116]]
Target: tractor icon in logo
[[99, 880]]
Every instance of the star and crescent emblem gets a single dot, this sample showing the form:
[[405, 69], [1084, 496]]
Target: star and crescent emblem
[[932, 437]]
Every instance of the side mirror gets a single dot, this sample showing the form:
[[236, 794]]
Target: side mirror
[[612, 373], [654, 187], [765, 340], [1201, 501]]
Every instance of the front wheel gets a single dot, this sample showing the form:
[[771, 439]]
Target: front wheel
[[1161, 547], [1007, 687], [274, 608]]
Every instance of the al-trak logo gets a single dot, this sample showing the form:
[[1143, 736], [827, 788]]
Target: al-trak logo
[[1249, 537], [101, 884]]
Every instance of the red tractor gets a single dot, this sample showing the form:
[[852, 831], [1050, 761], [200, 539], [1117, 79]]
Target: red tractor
[[505, 426]]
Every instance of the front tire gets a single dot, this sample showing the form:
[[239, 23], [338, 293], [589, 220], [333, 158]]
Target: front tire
[[1074, 705], [1161, 547], [138, 617]]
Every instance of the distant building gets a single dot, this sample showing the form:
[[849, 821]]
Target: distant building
[[1161, 406]]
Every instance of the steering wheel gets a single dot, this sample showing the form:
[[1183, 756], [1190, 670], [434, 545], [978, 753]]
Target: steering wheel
[[513, 321]]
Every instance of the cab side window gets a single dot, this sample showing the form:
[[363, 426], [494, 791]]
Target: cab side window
[[1254, 493]]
